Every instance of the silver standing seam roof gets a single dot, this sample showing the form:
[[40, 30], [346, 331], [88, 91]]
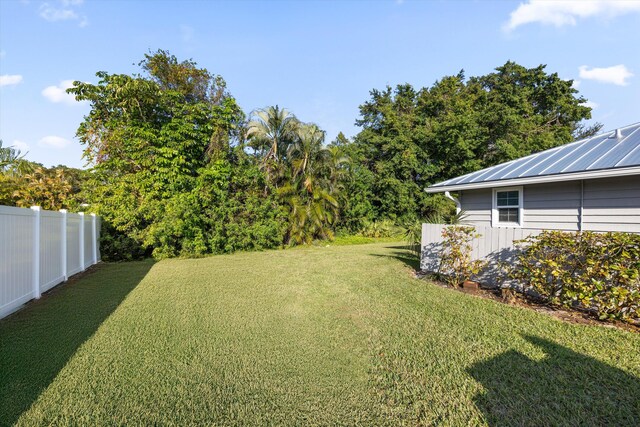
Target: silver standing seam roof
[[609, 154]]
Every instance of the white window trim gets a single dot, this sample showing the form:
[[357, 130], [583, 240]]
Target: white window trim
[[494, 210]]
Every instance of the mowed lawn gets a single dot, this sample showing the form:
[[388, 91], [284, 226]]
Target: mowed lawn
[[339, 335]]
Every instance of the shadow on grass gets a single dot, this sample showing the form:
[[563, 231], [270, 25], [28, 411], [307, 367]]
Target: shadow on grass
[[404, 255], [38, 341], [564, 388]]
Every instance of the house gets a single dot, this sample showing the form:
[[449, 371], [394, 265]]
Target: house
[[591, 184]]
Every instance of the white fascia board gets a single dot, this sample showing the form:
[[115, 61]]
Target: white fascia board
[[574, 176]]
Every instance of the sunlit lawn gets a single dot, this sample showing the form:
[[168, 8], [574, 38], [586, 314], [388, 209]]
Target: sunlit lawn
[[339, 335]]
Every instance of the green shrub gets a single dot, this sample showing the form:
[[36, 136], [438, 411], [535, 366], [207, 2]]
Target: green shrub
[[117, 246], [593, 271], [385, 228], [412, 234], [456, 264]]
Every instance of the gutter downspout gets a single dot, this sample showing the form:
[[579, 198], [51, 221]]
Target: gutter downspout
[[581, 204], [457, 202]]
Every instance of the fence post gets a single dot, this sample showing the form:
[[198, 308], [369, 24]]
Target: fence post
[[63, 224], [36, 251], [81, 240], [94, 238]]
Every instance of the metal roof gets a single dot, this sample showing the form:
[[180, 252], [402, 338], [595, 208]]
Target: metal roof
[[614, 153]]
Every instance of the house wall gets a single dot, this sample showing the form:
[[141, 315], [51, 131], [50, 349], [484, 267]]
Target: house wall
[[609, 204], [552, 206], [477, 206], [612, 204]]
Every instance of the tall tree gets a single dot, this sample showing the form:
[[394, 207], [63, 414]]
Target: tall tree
[[271, 131], [309, 192], [10, 158], [412, 138], [148, 137]]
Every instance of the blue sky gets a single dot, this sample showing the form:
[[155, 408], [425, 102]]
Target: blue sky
[[319, 59]]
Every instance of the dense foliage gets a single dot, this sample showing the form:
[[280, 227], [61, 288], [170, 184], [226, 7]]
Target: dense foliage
[[413, 138], [178, 169], [24, 183], [593, 271]]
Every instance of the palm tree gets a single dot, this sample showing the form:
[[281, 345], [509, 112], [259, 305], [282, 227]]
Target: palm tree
[[306, 148], [309, 192], [312, 211], [337, 163], [272, 129], [9, 157]]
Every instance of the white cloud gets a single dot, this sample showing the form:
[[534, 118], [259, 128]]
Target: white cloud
[[20, 145], [53, 142], [566, 12], [576, 84], [59, 93], [53, 14], [10, 79], [617, 74], [590, 104], [64, 10]]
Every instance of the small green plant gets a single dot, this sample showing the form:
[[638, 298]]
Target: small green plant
[[599, 272], [456, 263], [412, 235], [439, 218], [378, 229]]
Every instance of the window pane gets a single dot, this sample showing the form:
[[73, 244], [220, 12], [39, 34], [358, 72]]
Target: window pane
[[507, 198], [508, 215]]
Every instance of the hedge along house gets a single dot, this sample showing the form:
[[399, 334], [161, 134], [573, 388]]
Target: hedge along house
[[591, 184]]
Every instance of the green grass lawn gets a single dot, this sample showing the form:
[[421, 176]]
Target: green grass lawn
[[338, 335]]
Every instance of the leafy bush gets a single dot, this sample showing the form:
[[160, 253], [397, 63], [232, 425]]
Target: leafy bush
[[593, 271], [412, 234], [385, 228], [456, 264], [118, 246]]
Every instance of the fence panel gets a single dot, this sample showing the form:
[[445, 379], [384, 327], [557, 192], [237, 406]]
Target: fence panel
[[51, 268], [16, 258], [88, 241], [33, 258], [98, 231], [73, 244], [494, 245]]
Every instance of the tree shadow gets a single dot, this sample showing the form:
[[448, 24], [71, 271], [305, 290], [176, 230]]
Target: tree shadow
[[493, 274], [38, 341], [407, 257], [564, 388], [430, 257], [398, 247]]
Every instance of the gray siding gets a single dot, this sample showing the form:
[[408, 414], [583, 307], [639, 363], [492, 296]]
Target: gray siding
[[552, 206], [477, 205], [611, 204]]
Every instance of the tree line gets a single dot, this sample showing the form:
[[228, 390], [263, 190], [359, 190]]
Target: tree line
[[179, 169]]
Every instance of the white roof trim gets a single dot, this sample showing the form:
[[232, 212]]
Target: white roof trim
[[573, 176]]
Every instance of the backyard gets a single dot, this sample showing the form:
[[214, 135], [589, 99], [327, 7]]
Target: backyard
[[333, 335]]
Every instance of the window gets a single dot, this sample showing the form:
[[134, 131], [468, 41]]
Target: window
[[507, 207]]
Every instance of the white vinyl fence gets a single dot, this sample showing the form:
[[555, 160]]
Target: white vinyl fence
[[494, 245], [40, 249]]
